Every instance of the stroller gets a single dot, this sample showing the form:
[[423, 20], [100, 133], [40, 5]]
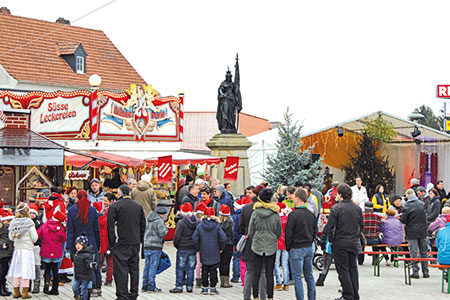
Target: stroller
[[318, 260]]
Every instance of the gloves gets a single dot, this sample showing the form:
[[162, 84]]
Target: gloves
[[93, 265]]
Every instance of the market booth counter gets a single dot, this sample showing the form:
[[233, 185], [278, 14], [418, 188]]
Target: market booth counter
[[27, 156]]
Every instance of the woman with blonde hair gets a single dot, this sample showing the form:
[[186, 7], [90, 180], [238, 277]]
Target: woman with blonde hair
[[23, 233]]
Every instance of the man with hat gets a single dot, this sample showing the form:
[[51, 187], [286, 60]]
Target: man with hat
[[95, 192], [126, 217], [155, 231]]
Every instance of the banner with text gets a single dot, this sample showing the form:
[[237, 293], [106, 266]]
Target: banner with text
[[231, 168]]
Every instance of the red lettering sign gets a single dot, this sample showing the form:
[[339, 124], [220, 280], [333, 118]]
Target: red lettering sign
[[231, 168], [443, 91]]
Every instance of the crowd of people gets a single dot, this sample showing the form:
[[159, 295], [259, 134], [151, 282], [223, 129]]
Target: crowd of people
[[264, 239]]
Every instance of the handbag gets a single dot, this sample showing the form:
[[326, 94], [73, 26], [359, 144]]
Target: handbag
[[240, 246], [164, 263]]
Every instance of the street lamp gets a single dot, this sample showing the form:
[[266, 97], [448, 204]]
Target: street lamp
[[95, 81]]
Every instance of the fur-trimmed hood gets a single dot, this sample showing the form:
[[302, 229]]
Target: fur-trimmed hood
[[268, 206]]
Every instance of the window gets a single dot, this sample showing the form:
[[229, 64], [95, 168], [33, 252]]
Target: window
[[80, 65]]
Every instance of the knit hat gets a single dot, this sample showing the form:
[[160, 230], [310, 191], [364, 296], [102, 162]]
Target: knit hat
[[368, 204], [242, 202], [258, 189], [283, 208], [209, 212], [186, 209], [59, 216], [6, 214], [94, 180], [82, 239], [98, 206], [161, 209], [395, 198], [265, 195], [200, 209], [220, 188], [224, 210], [33, 208], [448, 218], [199, 181]]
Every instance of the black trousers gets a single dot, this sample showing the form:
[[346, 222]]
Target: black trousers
[[51, 268], [225, 259], [126, 263], [269, 264], [347, 269], [4, 265], [209, 275]]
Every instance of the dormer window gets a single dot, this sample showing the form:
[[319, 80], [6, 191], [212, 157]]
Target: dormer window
[[74, 55], [80, 65]]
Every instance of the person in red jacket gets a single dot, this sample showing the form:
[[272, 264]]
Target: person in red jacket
[[103, 226], [282, 254]]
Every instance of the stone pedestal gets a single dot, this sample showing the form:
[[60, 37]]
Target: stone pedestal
[[223, 145]]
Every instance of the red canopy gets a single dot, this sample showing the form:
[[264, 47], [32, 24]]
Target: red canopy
[[200, 161], [113, 160]]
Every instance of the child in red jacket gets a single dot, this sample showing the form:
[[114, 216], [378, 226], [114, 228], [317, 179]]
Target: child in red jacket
[[282, 253]]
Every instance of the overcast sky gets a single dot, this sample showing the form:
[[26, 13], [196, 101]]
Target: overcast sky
[[328, 60]]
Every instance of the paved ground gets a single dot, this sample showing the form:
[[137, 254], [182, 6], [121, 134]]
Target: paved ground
[[390, 285]]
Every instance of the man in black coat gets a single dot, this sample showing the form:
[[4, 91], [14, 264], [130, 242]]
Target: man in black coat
[[343, 230], [414, 217], [127, 218]]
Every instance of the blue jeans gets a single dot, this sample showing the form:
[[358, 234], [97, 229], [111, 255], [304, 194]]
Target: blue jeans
[[236, 266], [301, 262], [152, 258], [186, 261], [284, 255], [80, 288]]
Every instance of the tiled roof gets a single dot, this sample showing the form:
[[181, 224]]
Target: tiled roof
[[201, 126], [67, 48], [29, 52], [25, 138]]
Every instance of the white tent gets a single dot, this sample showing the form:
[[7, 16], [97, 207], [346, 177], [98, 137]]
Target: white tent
[[263, 146]]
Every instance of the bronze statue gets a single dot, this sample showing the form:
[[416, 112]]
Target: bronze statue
[[229, 102]]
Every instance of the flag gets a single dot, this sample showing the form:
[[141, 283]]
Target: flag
[[165, 169], [231, 168]]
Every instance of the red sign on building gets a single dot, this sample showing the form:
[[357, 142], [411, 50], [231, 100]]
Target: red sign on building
[[231, 168], [443, 91]]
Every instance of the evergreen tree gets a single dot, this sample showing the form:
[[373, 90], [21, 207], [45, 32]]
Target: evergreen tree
[[430, 119], [290, 164], [372, 168]]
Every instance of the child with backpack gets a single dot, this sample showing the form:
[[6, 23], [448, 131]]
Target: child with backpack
[[210, 240]]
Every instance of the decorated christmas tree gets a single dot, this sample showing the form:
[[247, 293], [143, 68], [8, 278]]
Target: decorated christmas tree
[[290, 163], [372, 168]]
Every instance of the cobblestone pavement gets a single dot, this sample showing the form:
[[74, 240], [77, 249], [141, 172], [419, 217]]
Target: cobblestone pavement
[[390, 285]]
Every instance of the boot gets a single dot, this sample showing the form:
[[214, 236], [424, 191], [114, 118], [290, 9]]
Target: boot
[[36, 286], [198, 283], [17, 293], [225, 282], [320, 280], [55, 285], [46, 286], [25, 294], [3, 290]]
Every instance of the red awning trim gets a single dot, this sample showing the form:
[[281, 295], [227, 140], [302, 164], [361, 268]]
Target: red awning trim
[[102, 159], [177, 162]]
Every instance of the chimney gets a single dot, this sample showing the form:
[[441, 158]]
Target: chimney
[[62, 21], [4, 10]]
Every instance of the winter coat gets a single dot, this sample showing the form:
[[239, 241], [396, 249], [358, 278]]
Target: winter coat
[[433, 209], [265, 228], [244, 222], [236, 220], [75, 228], [439, 223], [92, 197], [103, 227], [212, 203], [37, 223], [4, 239], [345, 225], [209, 240], [155, 231], [145, 195], [23, 233], [53, 236], [179, 195], [392, 230], [281, 244], [184, 232], [189, 198], [301, 228], [414, 217], [82, 263], [380, 202], [226, 199], [443, 245], [227, 227], [126, 217], [311, 204]]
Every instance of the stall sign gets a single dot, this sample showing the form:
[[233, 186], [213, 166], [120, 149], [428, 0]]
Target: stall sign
[[165, 169], [77, 175], [231, 168]]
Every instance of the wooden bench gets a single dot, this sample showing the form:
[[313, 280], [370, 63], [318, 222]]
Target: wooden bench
[[444, 269], [378, 258], [408, 265]]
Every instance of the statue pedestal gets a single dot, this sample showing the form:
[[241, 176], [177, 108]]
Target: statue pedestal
[[223, 145]]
